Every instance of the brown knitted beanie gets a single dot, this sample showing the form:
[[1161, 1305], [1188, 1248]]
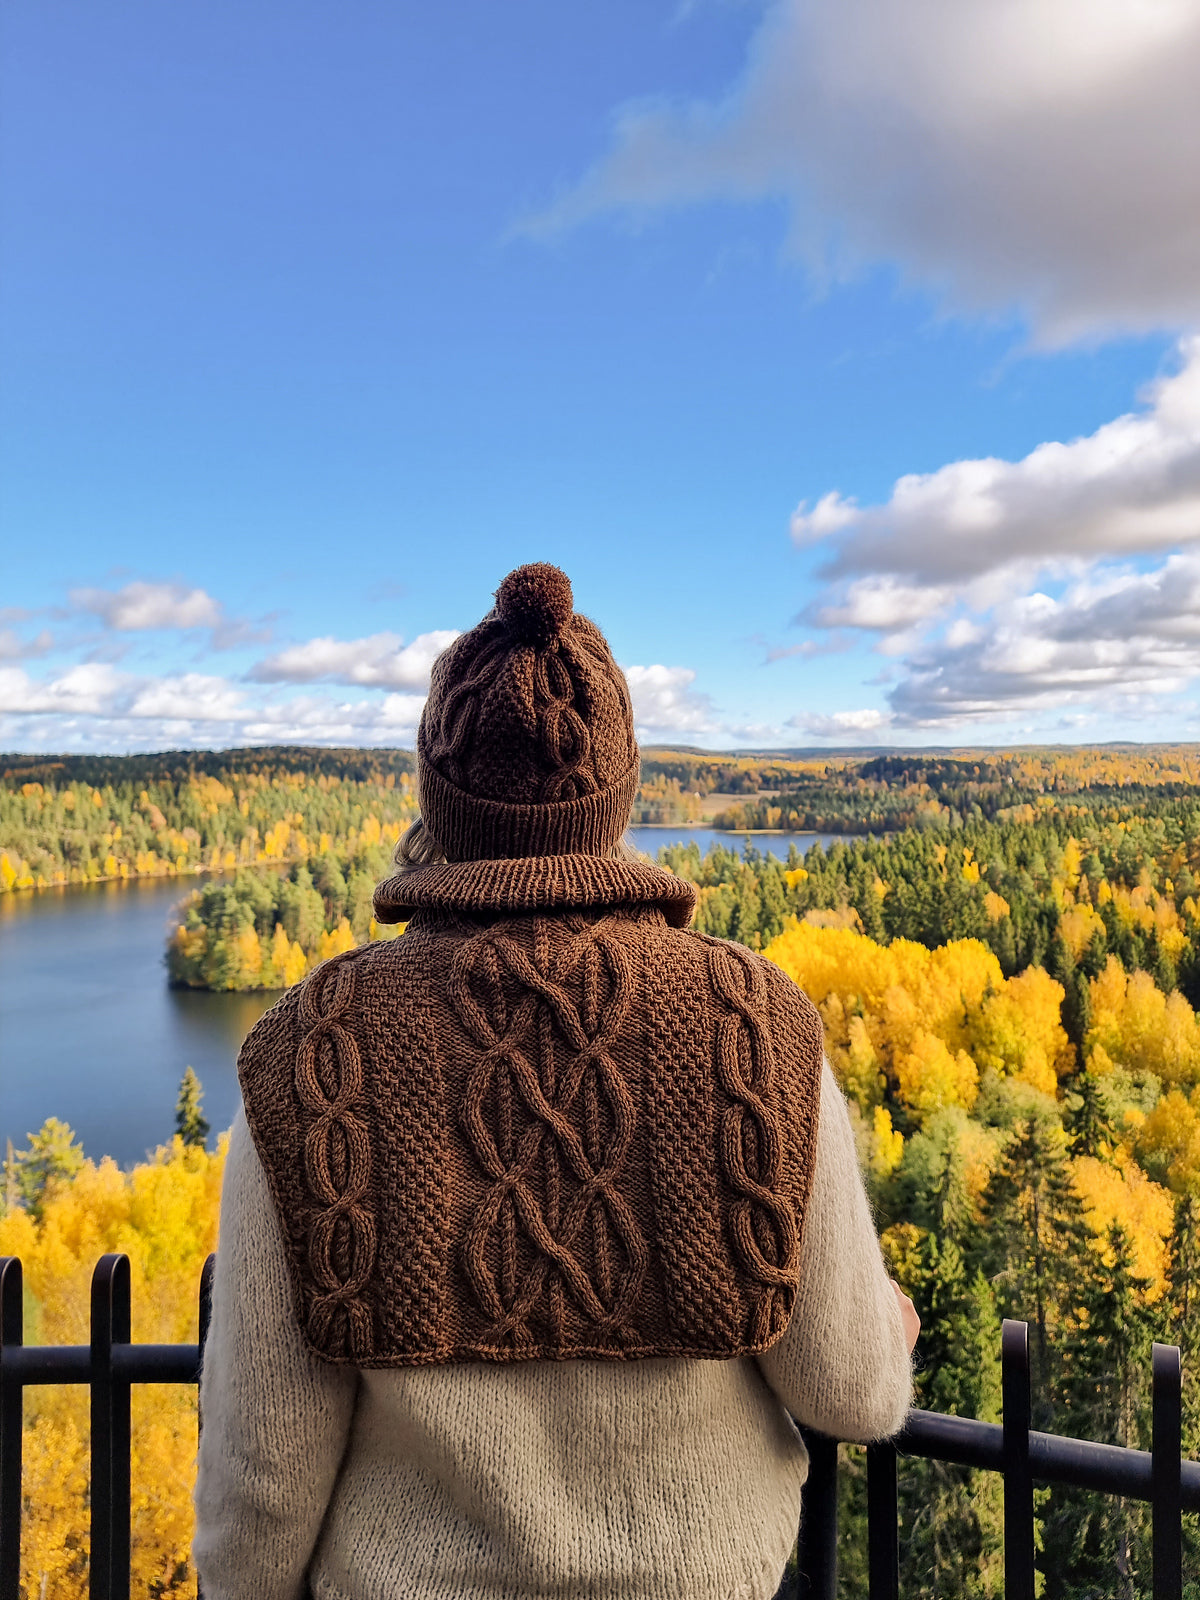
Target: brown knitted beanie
[[526, 743]]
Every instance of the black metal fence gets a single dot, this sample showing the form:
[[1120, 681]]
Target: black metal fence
[[110, 1364], [1158, 1476]]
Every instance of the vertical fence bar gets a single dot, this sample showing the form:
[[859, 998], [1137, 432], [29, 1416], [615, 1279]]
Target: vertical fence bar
[[206, 1288], [1166, 1450], [205, 1317], [883, 1524], [817, 1548], [12, 1410], [109, 1568], [1018, 1481]]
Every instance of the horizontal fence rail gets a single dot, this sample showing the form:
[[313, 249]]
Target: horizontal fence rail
[[1158, 1477], [110, 1364]]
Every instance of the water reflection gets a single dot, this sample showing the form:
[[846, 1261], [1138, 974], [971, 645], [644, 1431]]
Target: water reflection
[[652, 840], [90, 1030]]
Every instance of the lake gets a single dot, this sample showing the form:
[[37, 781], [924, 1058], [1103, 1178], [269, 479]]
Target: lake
[[91, 1032]]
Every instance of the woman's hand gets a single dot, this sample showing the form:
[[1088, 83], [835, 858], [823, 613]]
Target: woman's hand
[[908, 1315]]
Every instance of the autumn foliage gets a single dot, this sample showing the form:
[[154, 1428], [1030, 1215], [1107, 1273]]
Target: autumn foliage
[[1006, 956], [79, 820], [163, 1215], [1017, 1174]]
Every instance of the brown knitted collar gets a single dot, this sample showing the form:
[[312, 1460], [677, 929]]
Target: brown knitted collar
[[535, 883]]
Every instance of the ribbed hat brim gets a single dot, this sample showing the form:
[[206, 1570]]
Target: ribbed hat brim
[[469, 827]]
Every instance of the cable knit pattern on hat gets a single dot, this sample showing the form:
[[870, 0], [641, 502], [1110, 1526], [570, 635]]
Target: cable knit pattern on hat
[[526, 743], [589, 1480]]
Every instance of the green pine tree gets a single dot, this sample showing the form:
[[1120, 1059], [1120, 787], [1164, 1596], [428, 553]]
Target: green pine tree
[[1033, 1236], [1077, 1008], [1090, 1119], [190, 1123], [1183, 1305], [953, 1517], [53, 1157], [1097, 1545]]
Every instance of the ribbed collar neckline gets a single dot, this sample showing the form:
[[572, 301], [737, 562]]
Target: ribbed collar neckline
[[535, 883]]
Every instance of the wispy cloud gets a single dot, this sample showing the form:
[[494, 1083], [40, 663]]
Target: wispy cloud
[[1039, 154], [142, 606], [804, 650], [841, 724], [96, 706], [382, 660], [14, 648]]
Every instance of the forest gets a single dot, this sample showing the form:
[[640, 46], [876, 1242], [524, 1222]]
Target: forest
[[59, 1214], [1009, 985], [942, 789], [90, 819]]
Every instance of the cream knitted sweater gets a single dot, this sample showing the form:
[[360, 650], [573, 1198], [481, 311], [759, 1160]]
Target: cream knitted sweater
[[608, 1480]]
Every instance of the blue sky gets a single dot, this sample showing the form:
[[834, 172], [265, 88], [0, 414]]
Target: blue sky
[[843, 352]]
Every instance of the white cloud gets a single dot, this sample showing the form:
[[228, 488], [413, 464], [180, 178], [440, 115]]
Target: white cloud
[[960, 572], [193, 696], [881, 602], [1132, 486], [1121, 640], [382, 660], [140, 606], [1039, 153], [311, 720], [830, 514], [664, 701], [840, 724], [87, 689], [98, 689], [95, 707]]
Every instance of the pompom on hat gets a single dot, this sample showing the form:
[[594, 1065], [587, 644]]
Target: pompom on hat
[[526, 744], [536, 602]]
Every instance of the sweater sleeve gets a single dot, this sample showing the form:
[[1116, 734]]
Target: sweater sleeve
[[275, 1418], [842, 1366]]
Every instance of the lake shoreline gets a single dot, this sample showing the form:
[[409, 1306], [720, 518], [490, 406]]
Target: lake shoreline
[[753, 833], [92, 1031], [142, 877]]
